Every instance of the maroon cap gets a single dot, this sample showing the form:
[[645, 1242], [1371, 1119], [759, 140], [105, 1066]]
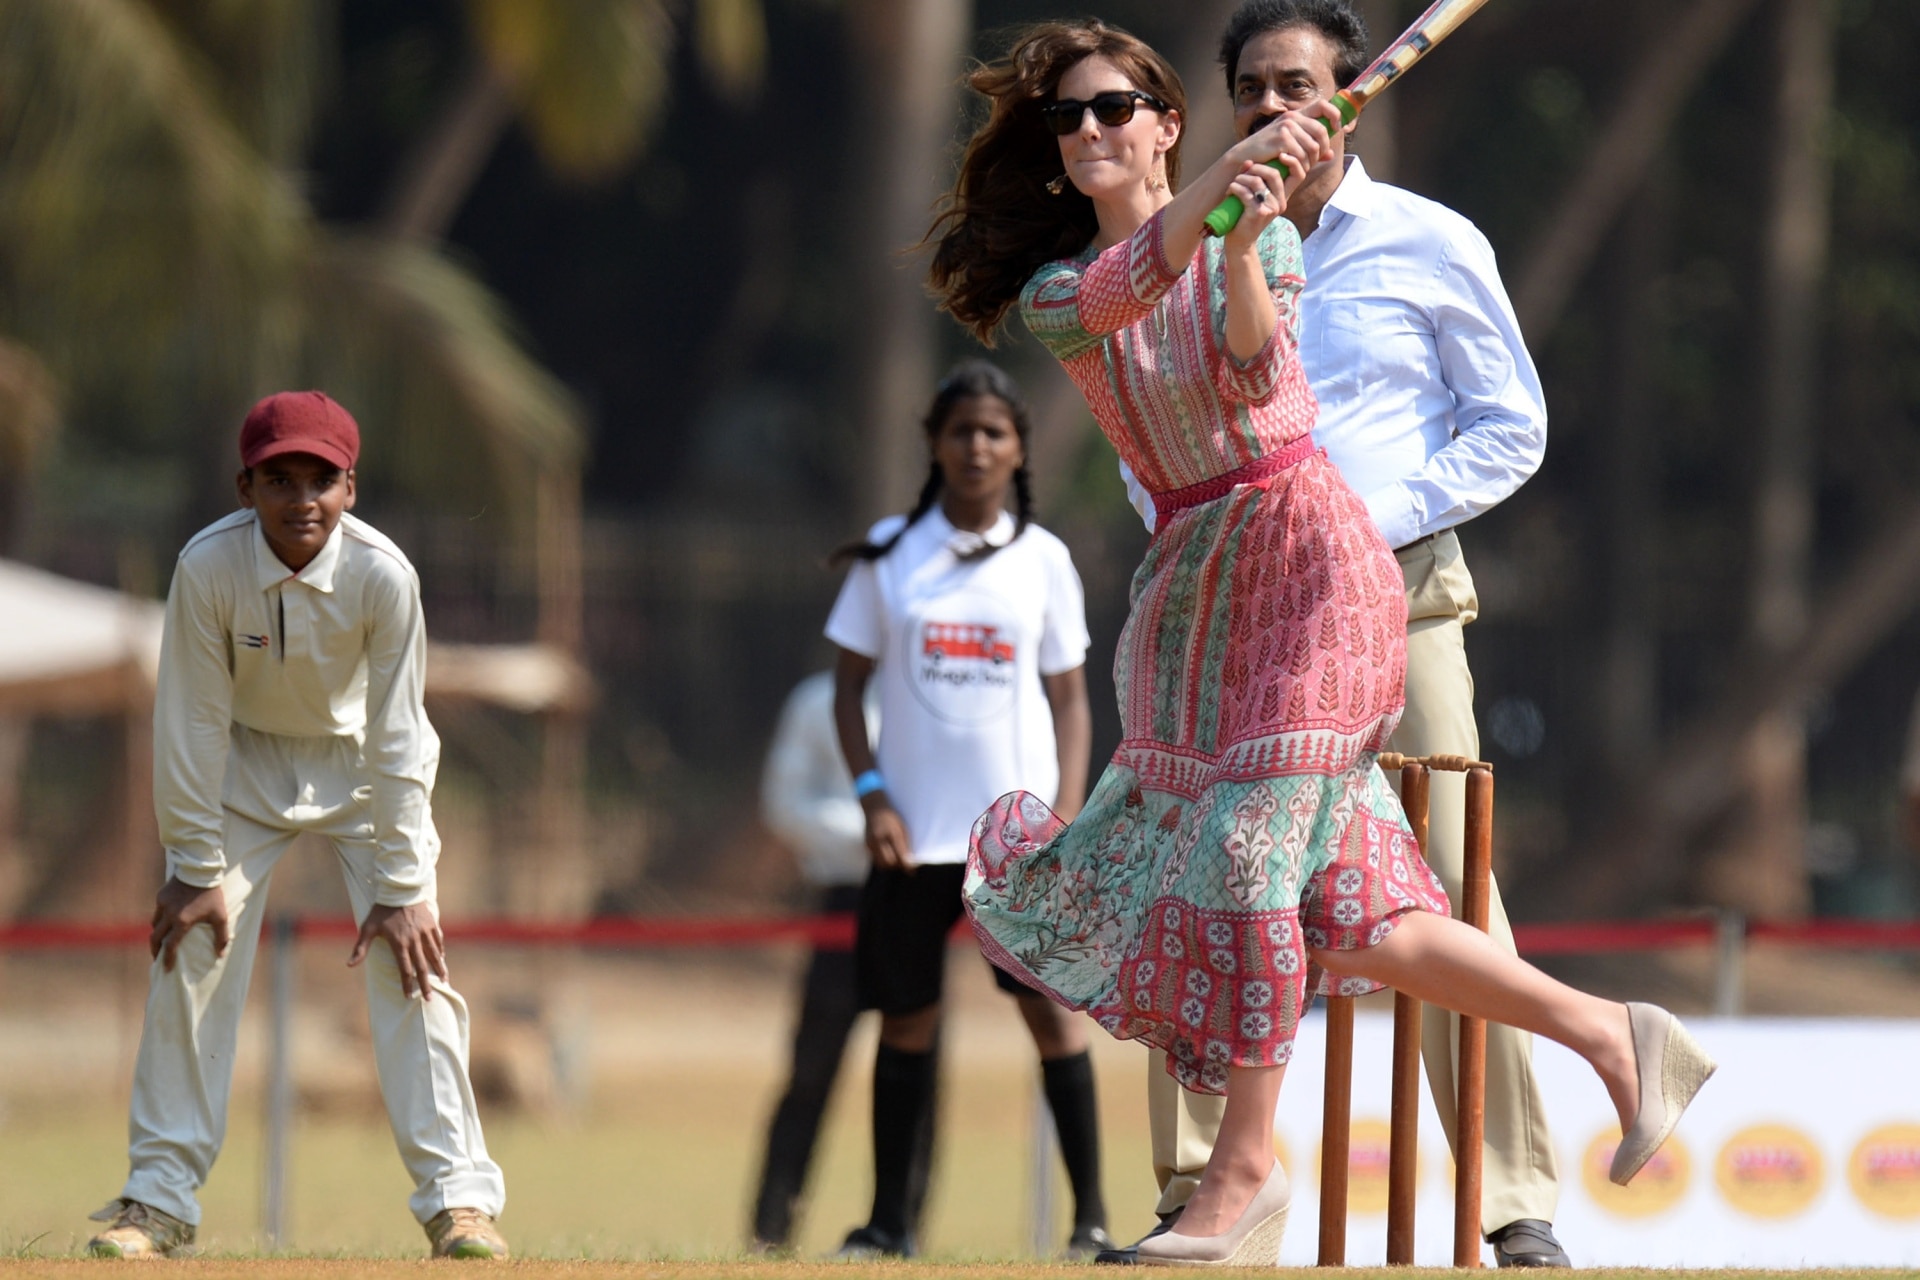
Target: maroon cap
[[299, 422]]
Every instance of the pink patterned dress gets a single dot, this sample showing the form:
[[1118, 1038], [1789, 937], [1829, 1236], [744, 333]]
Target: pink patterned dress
[[1243, 817]]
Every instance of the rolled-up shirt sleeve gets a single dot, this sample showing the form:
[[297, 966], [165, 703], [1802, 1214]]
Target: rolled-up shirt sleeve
[[192, 730], [1500, 413], [402, 751]]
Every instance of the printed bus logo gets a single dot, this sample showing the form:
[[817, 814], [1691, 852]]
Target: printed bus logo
[[965, 640]]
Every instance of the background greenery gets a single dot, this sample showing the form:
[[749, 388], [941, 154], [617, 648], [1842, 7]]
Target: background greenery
[[659, 268]]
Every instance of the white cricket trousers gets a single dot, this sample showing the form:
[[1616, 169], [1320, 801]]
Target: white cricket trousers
[[278, 787]]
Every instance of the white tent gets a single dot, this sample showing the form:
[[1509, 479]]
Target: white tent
[[70, 648]]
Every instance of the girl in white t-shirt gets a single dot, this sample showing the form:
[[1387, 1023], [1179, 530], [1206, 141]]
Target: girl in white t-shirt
[[973, 623]]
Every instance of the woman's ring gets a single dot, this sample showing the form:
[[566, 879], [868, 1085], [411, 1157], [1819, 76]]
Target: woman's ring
[[1259, 197]]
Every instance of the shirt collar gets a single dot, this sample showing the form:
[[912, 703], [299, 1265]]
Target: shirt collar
[[1354, 195], [269, 572], [964, 542]]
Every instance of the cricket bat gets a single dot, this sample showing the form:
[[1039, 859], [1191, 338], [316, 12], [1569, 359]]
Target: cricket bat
[[1429, 29]]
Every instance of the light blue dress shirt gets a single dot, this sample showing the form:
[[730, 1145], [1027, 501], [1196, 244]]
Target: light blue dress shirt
[[1429, 403]]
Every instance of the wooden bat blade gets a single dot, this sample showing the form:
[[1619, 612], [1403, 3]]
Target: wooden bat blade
[[1428, 30]]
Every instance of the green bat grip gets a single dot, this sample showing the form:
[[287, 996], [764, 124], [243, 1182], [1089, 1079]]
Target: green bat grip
[[1226, 215]]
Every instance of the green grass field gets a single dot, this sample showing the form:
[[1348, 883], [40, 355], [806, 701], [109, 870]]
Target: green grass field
[[660, 1160], [669, 1180], [654, 1218], [651, 1178], [753, 1269]]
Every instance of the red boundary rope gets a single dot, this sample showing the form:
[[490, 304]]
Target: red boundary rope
[[836, 931]]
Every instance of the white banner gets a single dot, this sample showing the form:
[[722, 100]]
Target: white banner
[[1802, 1151]]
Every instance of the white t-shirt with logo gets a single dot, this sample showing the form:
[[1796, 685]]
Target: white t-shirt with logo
[[960, 647]]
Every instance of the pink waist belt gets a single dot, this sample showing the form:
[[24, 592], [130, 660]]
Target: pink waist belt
[[1260, 472]]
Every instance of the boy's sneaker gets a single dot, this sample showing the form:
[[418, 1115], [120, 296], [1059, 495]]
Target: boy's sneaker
[[465, 1233], [136, 1230]]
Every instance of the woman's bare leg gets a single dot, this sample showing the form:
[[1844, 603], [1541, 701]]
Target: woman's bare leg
[[1455, 966], [1242, 1154]]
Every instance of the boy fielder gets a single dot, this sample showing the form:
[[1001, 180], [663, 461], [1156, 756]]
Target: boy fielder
[[289, 700]]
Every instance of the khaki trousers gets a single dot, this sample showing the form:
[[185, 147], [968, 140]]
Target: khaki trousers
[[1521, 1176]]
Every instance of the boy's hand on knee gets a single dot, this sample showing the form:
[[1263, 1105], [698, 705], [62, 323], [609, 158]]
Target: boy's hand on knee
[[178, 909], [419, 948]]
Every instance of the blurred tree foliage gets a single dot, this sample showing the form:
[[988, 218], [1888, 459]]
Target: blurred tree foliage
[[162, 264], [201, 200]]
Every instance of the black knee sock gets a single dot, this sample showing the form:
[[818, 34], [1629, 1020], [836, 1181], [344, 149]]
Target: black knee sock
[[920, 1175], [902, 1091], [1076, 1119]]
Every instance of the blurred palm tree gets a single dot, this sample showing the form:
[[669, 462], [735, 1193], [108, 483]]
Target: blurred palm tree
[[161, 267], [29, 413], [159, 260], [585, 77]]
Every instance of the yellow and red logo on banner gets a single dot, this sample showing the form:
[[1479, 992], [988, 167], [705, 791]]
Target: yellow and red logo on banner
[[1770, 1171], [1885, 1171], [1660, 1185], [1369, 1152]]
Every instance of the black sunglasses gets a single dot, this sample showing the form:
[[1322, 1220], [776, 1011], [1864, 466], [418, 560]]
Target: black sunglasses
[[1112, 108]]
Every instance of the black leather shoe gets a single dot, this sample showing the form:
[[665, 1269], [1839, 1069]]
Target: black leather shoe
[[1528, 1243], [1130, 1255]]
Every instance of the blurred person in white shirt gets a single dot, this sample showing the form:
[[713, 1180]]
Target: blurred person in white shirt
[[806, 798], [1910, 782]]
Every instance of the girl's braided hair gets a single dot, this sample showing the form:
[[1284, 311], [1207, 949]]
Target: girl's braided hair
[[968, 379]]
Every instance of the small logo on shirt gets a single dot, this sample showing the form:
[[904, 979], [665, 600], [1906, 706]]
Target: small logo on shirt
[[965, 640], [965, 672], [253, 642]]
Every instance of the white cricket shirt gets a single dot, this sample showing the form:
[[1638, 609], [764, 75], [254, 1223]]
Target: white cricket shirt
[[336, 650], [960, 647]]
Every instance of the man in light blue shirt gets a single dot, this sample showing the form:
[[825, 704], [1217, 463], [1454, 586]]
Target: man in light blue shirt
[[1432, 410]]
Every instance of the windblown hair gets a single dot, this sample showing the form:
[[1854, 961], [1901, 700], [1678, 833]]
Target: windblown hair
[[1000, 224], [968, 379], [1338, 20]]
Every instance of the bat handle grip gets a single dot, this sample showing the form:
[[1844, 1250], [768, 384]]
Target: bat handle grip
[[1226, 214]]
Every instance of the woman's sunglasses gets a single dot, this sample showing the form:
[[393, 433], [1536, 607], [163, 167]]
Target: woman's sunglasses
[[1113, 108]]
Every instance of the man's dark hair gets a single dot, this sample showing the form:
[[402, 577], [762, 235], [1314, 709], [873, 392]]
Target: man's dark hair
[[1338, 20]]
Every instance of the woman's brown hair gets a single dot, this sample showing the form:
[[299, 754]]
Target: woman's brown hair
[[1000, 224]]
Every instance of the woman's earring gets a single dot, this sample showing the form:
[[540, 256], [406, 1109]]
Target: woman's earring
[[1157, 179], [1058, 185]]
